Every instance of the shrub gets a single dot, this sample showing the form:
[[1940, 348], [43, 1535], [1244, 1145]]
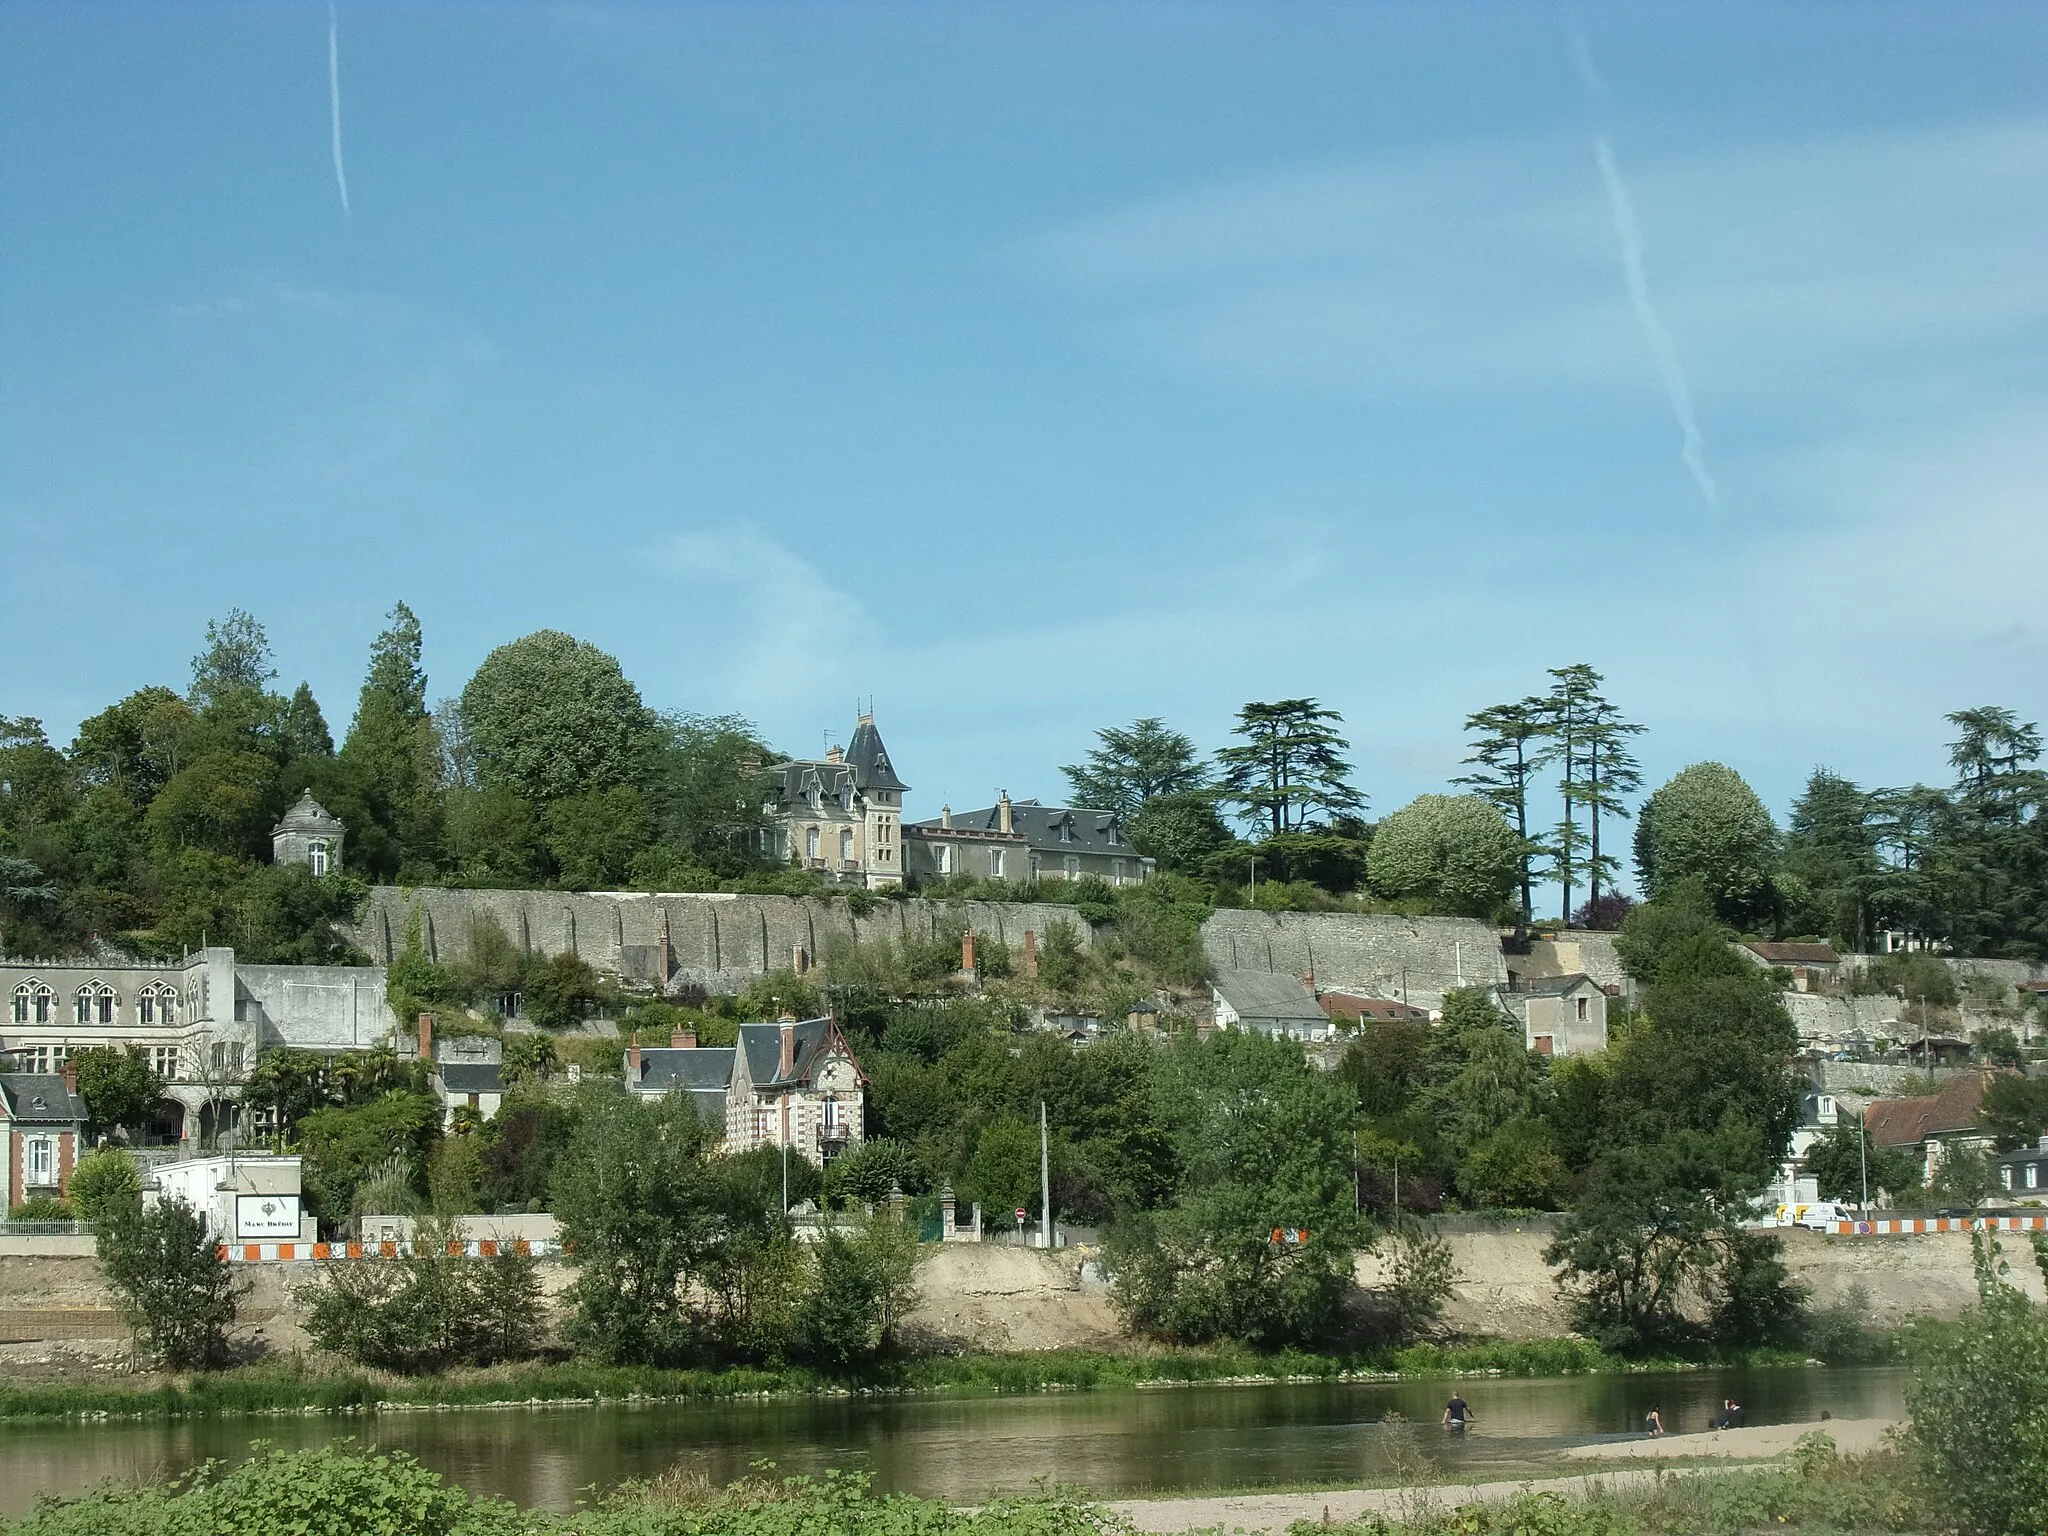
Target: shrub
[[1420, 1274], [173, 1287], [42, 1208], [866, 1283], [1979, 1400], [106, 1185], [427, 1310]]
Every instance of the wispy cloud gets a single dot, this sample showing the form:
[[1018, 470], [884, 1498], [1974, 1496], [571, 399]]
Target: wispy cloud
[[1628, 234], [334, 99]]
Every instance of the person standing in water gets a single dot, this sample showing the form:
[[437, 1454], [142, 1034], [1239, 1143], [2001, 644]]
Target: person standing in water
[[1456, 1414], [1653, 1424]]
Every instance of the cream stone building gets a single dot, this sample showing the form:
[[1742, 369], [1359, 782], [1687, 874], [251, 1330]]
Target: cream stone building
[[840, 815], [794, 1083], [200, 1022]]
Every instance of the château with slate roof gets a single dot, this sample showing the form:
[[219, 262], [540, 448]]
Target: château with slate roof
[[840, 815], [792, 1083]]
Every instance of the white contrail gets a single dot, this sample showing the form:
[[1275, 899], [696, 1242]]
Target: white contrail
[[334, 99], [1692, 446]]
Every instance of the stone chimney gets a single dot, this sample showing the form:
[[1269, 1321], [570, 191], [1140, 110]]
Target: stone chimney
[[1003, 813], [946, 817], [1030, 954], [426, 1037], [682, 1039], [633, 1063], [2044, 1144], [788, 1048], [967, 951], [835, 753]]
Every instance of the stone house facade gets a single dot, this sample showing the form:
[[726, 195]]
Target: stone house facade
[[840, 815], [42, 1121], [201, 1022], [1024, 841], [1562, 1015], [794, 1083]]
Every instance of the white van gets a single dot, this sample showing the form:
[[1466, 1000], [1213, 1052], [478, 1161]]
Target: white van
[[1820, 1216]]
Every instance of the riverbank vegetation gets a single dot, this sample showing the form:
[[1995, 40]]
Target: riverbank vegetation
[[281, 1387]]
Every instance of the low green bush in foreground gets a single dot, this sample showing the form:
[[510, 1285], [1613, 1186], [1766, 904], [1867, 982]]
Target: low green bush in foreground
[[352, 1493]]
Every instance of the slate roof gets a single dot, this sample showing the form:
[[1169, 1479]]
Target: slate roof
[[1041, 827], [869, 759], [864, 766], [763, 1045], [309, 815], [40, 1098], [459, 1077], [691, 1067], [1910, 1121], [1269, 996], [704, 1072], [1794, 954], [1560, 986]]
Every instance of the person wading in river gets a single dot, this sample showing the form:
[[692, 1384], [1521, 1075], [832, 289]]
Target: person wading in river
[[1653, 1424], [1456, 1414]]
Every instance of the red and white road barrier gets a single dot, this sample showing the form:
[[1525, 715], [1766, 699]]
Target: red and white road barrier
[[300, 1253], [1907, 1226]]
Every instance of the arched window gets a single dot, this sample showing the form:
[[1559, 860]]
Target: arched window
[[157, 1003], [94, 1003], [34, 1003]]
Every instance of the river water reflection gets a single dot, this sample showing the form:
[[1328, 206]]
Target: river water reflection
[[1113, 1443]]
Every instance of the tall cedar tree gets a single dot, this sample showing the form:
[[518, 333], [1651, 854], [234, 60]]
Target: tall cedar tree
[[1507, 748], [1133, 765], [1289, 768], [1589, 741], [1831, 855]]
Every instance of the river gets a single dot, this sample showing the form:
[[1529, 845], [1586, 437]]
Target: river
[[1126, 1441]]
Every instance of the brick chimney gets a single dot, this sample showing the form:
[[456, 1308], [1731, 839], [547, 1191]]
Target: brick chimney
[[967, 951], [70, 1075], [633, 1062], [1031, 954], [788, 1048], [426, 1037], [1003, 813], [683, 1039]]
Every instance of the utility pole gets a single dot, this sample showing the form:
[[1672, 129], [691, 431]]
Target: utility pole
[[1044, 1180], [1863, 1157], [1255, 883]]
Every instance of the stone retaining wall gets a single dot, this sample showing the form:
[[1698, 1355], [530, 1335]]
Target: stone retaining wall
[[719, 941], [1416, 958]]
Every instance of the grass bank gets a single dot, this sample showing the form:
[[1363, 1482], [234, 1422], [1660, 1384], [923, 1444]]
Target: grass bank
[[296, 1388]]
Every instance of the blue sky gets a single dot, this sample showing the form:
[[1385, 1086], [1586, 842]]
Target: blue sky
[[1036, 368]]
